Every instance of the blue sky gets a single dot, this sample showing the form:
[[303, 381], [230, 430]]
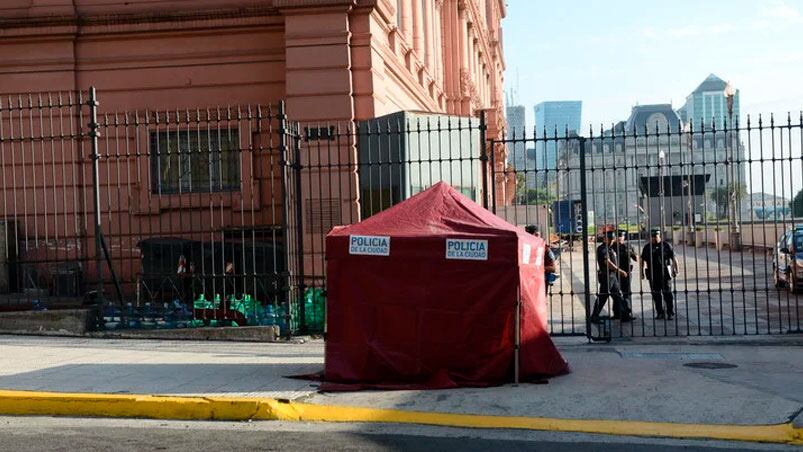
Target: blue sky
[[614, 54]]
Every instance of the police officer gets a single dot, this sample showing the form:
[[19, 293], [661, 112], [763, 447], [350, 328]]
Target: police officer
[[662, 266], [626, 255], [549, 256], [608, 274]]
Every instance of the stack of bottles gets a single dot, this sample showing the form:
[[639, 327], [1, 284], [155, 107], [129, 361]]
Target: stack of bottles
[[203, 303], [314, 310], [252, 309]]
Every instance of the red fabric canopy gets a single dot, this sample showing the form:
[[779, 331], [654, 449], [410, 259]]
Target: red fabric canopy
[[403, 315]]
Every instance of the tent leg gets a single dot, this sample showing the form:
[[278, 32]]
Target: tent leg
[[517, 343]]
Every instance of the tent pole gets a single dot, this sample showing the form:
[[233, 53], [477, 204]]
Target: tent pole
[[517, 345]]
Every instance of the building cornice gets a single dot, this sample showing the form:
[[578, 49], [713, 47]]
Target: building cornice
[[385, 8], [502, 9], [295, 4], [137, 18], [50, 32]]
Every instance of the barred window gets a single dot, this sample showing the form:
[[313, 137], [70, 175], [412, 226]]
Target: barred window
[[192, 161]]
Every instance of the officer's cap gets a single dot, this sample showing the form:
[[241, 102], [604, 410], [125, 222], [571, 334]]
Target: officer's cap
[[621, 233], [655, 232], [610, 234]]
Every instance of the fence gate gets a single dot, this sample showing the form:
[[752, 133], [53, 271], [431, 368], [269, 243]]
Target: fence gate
[[534, 187], [691, 183], [721, 197]]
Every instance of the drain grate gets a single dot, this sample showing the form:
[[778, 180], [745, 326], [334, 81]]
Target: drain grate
[[706, 365], [672, 356]]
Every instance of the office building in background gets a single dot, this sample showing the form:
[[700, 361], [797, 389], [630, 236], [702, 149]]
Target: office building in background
[[708, 104], [522, 158], [553, 117]]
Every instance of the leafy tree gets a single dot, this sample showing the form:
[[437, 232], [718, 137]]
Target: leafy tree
[[722, 195], [797, 204], [531, 196], [539, 196], [521, 187]]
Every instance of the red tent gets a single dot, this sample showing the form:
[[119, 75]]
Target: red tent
[[424, 295]]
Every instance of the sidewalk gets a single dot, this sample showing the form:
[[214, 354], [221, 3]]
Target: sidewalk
[[618, 382]]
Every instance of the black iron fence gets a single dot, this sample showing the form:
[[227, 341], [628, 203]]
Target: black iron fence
[[728, 201], [164, 218], [45, 191], [343, 173], [218, 216], [192, 211]]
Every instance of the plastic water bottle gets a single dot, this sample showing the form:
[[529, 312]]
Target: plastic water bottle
[[200, 303], [281, 318], [270, 316]]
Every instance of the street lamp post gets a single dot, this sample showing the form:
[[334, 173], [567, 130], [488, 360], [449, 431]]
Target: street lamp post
[[735, 233], [690, 239], [662, 199]]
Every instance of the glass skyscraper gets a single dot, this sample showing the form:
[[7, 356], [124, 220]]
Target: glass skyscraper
[[516, 125], [518, 154], [707, 104], [549, 116]]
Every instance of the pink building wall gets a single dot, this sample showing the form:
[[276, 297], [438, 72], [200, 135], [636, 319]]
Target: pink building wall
[[330, 60]]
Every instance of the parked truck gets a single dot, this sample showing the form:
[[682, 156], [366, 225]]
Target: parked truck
[[568, 220]]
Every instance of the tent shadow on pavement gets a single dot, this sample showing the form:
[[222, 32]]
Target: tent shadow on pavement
[[163, 378]]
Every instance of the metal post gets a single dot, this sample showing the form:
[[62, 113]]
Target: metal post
[[297, 167], [492, 167], [483, 160], [517, 342], [284, 164], [691, 238], [584, 233], [661, 193], [95, 156], [733, 217], [735, 238]]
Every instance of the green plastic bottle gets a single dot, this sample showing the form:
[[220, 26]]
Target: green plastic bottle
[[200, 303]]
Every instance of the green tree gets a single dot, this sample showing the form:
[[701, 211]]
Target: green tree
[[721, 197], [539, 196], [521, 189], [531, 196], [797, 204]]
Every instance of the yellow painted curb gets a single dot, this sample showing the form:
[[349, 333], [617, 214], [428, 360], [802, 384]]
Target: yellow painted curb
[[240, 409], [127, 405], [779, 433]]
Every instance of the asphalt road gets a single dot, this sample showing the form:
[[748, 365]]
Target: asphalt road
[[65, 434], [717, 293]]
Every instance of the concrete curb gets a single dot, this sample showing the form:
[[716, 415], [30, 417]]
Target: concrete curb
[[262, 334], [241, 409]]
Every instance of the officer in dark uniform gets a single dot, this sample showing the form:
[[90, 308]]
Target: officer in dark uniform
[[626, 255], [608, 274], [662, 266], [549, 257]]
